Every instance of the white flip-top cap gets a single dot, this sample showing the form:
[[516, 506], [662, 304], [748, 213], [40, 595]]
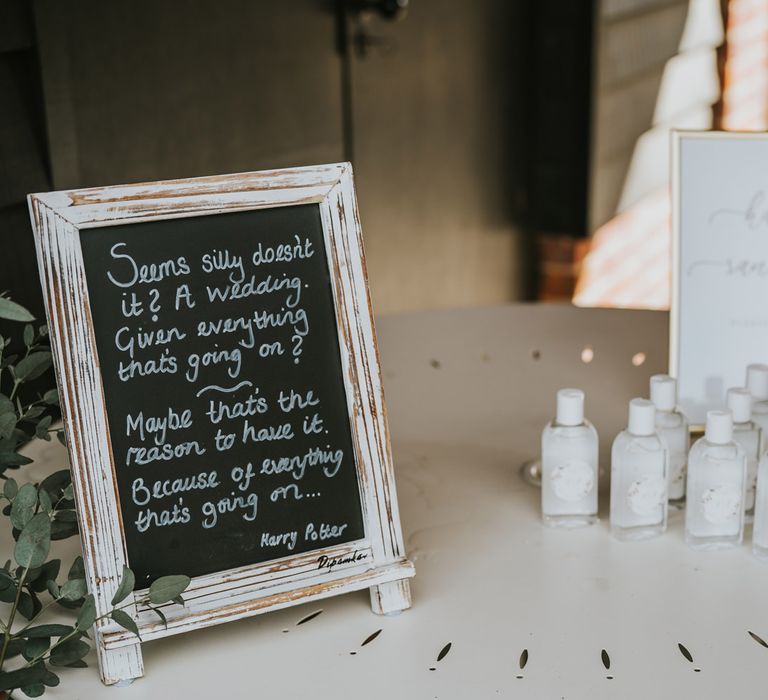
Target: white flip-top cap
[[570, 407], [739, 401], [719, 427], [664, 392], [757, 381], [642, 417]]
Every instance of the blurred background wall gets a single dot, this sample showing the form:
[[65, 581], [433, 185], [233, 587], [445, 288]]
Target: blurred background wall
[[503, 149]]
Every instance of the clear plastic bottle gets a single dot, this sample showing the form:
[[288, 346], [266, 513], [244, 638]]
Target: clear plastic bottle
[[747, 434], [757, 384], [672, 427], [639, 463], [569, 472], [760, 527], [717, 471]]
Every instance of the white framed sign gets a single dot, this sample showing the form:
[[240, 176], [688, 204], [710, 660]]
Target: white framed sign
[[219, 376], [719, 305]]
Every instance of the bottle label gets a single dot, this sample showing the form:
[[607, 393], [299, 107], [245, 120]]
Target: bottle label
[[572, 480], [721, 504], [677, 464], [646, 496]]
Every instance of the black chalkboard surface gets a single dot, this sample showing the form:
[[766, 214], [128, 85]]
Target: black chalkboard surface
[[219, 355]]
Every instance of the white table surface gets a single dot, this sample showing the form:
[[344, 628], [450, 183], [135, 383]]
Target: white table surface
[[467, 400]]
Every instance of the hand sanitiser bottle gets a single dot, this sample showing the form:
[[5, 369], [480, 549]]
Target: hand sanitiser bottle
[[760, 527], [672, 427], [569, 464], [717, 471], [639, 462], [747, 434], [757, 384]]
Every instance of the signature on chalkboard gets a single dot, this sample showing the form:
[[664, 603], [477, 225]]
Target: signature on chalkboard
[[326, 562]]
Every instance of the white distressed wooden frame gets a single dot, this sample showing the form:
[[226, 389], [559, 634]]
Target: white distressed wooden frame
[[57, 218]]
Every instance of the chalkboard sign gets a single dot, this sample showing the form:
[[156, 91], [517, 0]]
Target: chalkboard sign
[[719, 317], [221, 393]]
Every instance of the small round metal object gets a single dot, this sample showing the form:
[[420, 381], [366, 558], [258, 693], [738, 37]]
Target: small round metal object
[[530, 472]]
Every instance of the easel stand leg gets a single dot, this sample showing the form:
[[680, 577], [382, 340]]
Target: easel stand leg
[[392, 597], [119, 665]]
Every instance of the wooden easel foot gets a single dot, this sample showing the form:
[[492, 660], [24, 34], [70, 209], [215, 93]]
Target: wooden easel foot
[[120, 666], [391, 598]]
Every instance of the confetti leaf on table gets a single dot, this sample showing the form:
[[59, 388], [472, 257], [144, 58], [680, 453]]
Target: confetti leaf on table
[[523, 659], [606, 659], [444, 651], [685, 652], [759, 640], [371, 637]]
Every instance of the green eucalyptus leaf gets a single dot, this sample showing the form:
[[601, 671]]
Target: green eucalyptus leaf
[[76, 664], [26, 606], [22, 677], [69, 493], [66, 516], [77, 570], [14, 312], [45, 501], [10, 488], [166, 588], [33, 691], [29, 335], [6, 405], [34, 542], [38, 579], [35, 647], [23, 507], [87, 615], [8, 422], [41, 430], [51, 397], [125, 621], [53, 588], [11, 458], [161, 615], [60, 530], [127, 584], [68, 652], [34, 412], [6, 580], [46, 631], [8, 594], [51, 679], [15, 647], [61, 437], [32, 366], [54, 484], [74, 589]]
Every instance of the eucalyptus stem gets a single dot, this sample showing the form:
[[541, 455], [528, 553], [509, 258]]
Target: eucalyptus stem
[[7, 634]]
